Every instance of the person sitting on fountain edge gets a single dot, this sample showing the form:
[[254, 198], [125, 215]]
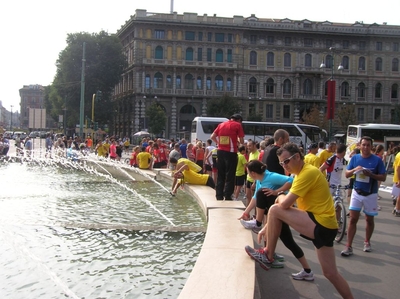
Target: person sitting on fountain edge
[[144, 159]]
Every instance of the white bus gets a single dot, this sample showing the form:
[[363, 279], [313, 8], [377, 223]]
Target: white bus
[[202, 128], [380, 133]]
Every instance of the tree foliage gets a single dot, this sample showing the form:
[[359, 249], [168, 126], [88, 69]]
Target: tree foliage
[[103, 67], [315, 117], [157, 119], [345, 116], [223, 107]]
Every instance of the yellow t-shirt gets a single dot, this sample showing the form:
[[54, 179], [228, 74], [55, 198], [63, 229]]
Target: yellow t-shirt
[[314, 195], [101, 150], [192, 166], [192, 177], [396, 164], [323, 156], [240, 165], [312, 159], [143, 160], [252, 156]]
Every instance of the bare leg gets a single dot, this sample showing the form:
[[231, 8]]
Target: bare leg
[[370, 225], [351, 231]]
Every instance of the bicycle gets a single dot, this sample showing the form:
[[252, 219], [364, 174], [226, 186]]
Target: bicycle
[[340, 210]]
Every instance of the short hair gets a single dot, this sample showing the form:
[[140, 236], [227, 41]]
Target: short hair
[[367, 138], [280, 133], [321, 144], [292, 148], [341, 148], [173, 161]]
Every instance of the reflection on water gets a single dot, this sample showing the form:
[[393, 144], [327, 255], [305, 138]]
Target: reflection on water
[[41, 257]]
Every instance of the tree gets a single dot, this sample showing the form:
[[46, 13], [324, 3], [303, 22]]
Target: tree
[[345, 116], [104, 65], [157, 119], [315, 117], [223, 107]]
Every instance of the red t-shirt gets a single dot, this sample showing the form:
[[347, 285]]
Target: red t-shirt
[[227, 135]]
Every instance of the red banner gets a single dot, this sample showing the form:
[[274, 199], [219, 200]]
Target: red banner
[[331, 99]]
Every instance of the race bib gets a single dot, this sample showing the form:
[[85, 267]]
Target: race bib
[[224, 140]]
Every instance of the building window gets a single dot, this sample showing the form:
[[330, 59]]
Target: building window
[[286, 111], [253, 58], [230, 37], [377, 114], [308, 42], [346, 44], [200, 36], [147, 82], [159, 34], [379, 46], [189, 35], [270, 59], [395, 65], [328, 43], [287, 60], [269, 111], [362, 45], [229, 84], [253, 39], [200, 54], [288, 41], [219, 37], [189, 54], [189, 81], [345, 62], [169, 81], [378, 91], [252, 85], [199, 84], [287, 87], [329, 61], [158, 80], [219, 56], [394, 91], [395, 47], [208, 83], [270, 40], [229, 55], [270, 86], [307, 87], [178, 82], [159, 53], [219, 83], [308, 60], [345, 89], [209, 36], [360, 114], [361, 64], [378, 64], [361, 91], [209, 54]]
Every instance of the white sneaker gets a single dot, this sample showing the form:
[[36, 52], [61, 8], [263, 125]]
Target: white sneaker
[[303, 275], [248, 224]]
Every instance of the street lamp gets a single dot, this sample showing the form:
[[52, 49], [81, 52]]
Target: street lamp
[[11, 118], [331, 91]]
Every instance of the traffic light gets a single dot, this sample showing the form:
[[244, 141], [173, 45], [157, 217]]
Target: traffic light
[[95, 126]]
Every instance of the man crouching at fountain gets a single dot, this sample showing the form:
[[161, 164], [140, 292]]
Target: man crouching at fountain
[[144, 159], [185, 175]]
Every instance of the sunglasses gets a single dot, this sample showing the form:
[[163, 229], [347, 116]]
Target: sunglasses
[[286, 161]]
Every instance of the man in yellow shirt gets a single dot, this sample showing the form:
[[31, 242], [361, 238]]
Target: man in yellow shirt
[[250, 185], [327, 153], [396, 183], [240, 172], [312, 158], [144, 159]]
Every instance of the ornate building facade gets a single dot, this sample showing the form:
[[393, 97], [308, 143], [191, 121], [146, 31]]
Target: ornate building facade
[[272, 66]]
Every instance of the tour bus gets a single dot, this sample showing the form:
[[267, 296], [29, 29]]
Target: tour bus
[[381, 134], [202, 128]]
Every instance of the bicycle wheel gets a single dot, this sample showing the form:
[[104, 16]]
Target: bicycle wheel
[[341, 220]]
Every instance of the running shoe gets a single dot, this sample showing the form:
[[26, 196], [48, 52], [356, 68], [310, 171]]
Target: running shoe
[[260, 256], [256, 229], [303, 275], [347, 251], [397, 214], [367, 247], [278, 257], [248, 224]]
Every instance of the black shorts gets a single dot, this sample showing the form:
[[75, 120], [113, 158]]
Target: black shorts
[[239, 180], [249, 184], [210, 182], [208, 167], [322, 236]]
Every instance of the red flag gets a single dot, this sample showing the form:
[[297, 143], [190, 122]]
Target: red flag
[[331, 99]]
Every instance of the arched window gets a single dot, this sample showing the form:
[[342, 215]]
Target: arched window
[[307, 86], [199, 84], [378, 91], [394, 91], [169, 81], [361, 90], [219, 83], [270, 59], [208, 83], [158, 80], [308, 60], [159, 53], [345, 89], [178, 82], [219, 56], [361, 64], [188, 109], [253, 58], [229, 84], [189, 81], [270, 86], [287, 87], [189, 54], [345, 62], [395, 65], [329, 61], [252, 85], [147, 81], [378, 64], [287, 60]]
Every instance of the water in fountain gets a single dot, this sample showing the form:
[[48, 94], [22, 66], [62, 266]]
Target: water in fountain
[[69, 230]]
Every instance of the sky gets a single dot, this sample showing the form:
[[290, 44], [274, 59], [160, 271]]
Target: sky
[[35, 32]]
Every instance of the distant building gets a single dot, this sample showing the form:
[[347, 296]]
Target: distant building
[[272, 66], [31, 97]]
